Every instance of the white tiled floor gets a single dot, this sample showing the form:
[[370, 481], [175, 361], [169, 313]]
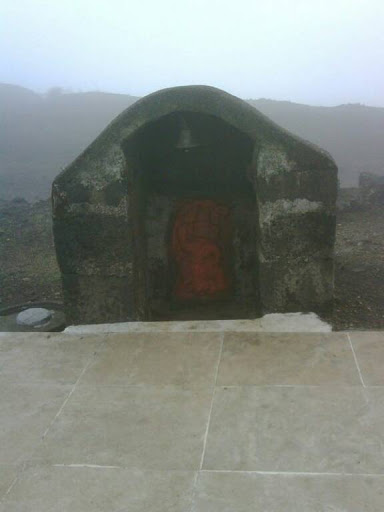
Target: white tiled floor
[[192, 422]]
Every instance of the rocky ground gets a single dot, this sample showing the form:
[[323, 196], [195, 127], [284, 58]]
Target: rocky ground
[[359, 272], [28, 268]]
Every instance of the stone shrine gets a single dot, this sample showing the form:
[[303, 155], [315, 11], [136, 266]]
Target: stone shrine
[[191, 204]]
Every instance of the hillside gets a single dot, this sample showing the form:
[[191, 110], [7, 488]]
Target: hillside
[[42, 134], [353, 134]]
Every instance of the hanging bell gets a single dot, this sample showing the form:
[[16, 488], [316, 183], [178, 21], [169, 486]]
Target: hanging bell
[[186, 139]]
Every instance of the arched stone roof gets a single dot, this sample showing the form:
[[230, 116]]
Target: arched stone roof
[[105, 154]]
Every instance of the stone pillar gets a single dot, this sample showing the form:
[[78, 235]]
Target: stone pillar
[[94, 242], [296, 232]]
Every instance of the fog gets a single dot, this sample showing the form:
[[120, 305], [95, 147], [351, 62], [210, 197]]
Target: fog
[[306, 51]]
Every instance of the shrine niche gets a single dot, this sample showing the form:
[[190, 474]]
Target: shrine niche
[[201, 241], [193, 205]]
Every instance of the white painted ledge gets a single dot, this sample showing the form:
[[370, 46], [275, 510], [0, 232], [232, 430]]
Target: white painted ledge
[[275, 322]]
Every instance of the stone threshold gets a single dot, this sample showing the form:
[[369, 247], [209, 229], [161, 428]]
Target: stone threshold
[[274, 322]]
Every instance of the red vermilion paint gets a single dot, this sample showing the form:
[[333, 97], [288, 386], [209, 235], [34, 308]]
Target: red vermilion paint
[[199, 244]]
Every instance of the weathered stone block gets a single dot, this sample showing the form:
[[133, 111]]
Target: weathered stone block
[[98, 299]]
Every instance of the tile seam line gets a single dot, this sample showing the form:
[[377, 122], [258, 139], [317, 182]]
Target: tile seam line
[[212, 400], [294, 386], [68, 396], [237, 471], [293, 473], [356, 361], [219, 386], [123, 467], [15, 480], [197, 474], [91, 466], [21, 470]]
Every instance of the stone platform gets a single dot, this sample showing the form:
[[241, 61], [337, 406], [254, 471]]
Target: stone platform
[[192, 422]]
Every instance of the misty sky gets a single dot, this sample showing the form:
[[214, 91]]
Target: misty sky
[[323, 52]]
